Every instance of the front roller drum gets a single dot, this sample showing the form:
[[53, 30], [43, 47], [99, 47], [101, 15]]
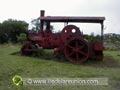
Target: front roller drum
[[76, 50], [27, 49]]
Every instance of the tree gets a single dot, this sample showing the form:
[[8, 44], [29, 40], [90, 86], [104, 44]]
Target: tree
[[10, 29], [3, 35], [13, 28]]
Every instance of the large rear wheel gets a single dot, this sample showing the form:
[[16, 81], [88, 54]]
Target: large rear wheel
[[76, 50]]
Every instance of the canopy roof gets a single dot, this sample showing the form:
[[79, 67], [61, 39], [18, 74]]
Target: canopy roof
[[72, 19]]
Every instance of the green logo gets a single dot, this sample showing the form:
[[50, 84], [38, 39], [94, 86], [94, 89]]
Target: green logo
[[17, 80]]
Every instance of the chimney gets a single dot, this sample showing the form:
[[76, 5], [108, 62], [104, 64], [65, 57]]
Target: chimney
[[42, 12]]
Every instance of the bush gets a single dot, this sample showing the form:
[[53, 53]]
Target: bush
[[22, 38], [39, 52]]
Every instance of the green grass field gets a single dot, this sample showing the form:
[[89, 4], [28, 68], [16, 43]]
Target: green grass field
[[12, 63]]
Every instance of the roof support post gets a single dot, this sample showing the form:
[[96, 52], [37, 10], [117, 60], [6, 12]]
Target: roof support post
[[102, 27]]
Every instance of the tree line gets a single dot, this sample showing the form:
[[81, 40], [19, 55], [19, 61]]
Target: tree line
[[16, 30], [10, 30]]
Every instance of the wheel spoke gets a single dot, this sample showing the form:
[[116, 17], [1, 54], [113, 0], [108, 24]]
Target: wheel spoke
[[70, 46], [81, 47], [83, 53], [77, 56], [71, 53]]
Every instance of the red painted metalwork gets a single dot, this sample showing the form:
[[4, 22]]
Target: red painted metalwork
[[70, 41]]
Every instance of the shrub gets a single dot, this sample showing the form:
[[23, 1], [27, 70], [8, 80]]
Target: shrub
[[22, 38]]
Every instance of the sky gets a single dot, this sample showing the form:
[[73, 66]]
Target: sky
[[30, 9]]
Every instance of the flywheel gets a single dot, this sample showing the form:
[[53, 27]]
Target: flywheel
[[69, 31]]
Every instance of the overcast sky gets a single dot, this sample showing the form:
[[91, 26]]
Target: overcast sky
[[30, 9]]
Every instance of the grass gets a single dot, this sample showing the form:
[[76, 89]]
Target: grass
[[12, 63]]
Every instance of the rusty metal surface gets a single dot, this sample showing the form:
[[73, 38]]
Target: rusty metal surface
[[70, 41]]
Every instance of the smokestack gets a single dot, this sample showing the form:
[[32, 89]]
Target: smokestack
[[42, 12]]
